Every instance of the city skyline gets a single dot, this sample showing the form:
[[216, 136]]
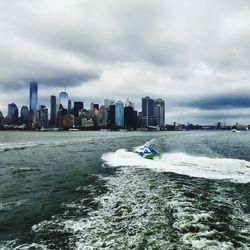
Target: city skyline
[[64, 114], [194, 55]]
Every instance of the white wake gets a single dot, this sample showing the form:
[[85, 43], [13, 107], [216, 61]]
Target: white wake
[[196, 166]]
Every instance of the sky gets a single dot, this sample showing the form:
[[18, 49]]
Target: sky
[[194, 54]]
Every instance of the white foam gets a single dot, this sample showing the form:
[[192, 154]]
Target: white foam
[[196, 166]]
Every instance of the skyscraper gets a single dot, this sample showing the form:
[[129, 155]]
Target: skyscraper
[[130, 118], [53, 111], [108, 103], [13, 113], [63, 99], [24, 115], [42, 116], [111, 117], [1, 120], [69, 106], [77, 107], [33, 97], [148, 117], [159, 112], [119, 114]]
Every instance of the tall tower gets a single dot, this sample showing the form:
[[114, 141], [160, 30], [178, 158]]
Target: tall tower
[[63, 99], [53, 111], [33, 97], [119, 114], [148, 118], [159, 111], [13, 113]]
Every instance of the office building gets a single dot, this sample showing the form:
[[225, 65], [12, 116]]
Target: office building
[[108, 103], [69, 107], [33, 97], [119, 114], [103, 116], [52, 111], [130, 118], [1, 120], [148, 117], [63, 99], [111, 114], [60, 116], [12, 114], [159, 112], [77, 107], [129, 103], [24, 118], [42, 116]]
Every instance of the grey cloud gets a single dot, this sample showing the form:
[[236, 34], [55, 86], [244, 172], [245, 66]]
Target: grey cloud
[[177, 50]]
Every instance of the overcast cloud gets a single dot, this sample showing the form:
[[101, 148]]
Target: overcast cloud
[[194, 54]]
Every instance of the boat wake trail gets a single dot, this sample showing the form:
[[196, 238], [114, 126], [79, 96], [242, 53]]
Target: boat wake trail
[[234, 170]]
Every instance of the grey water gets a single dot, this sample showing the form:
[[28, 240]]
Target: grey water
[[83, 190]]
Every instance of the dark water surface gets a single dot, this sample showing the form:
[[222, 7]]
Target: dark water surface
[[83, 190]]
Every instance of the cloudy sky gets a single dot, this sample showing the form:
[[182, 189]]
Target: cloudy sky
[[195, 54]]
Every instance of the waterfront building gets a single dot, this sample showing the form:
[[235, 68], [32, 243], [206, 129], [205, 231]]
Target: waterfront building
[[94, 106], [108, 103], [119, 114], [33, 97], [24, 118], [129, 103], [69, 107], [12, 114], [60, 115], [96, 117], [42, 116], [63, 99], [68, 121], [77, 107], [103, 116], [148, 117], [111, 115], [159, 112], [1, 120], [87, 123], [52, 111], [130, 118]]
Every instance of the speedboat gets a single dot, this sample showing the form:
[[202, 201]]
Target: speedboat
[[147, 152], [235, 131]]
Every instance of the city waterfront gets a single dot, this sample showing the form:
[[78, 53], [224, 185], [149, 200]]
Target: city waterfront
[[83, 190]]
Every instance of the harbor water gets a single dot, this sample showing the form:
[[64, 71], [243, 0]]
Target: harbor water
[[84, 190]]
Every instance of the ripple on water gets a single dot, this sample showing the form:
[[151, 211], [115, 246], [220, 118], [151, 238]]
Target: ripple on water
[[143, 209]]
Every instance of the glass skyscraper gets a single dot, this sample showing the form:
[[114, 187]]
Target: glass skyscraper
[[53, 111], [25, 114], [159, 111], [119, 114], [148, 116], [13, 113], [33, 97], [63, 99]]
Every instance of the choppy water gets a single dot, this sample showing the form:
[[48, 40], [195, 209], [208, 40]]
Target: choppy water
[[83, 190]]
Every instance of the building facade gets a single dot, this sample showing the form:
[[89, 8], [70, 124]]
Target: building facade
[[52, 111], [24, 118], [33, 97], [148, 117], [159, 112], [63, 99], [77, 107], [119, 114], [12, 114], [42, 117]]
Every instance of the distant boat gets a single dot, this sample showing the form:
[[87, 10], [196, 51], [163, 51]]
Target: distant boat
[[235, 130], [73, 129]]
